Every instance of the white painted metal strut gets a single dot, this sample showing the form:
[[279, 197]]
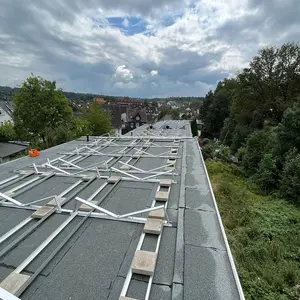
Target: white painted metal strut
[[39, 249], [14, 230]]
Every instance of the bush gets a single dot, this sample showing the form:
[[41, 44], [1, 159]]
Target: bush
[[240, 153], [209, 150], [7, 132], [290, 179], [224, 153]]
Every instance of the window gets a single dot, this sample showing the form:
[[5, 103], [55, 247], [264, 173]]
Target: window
[[137, 125], [131, 125], [137, 118]]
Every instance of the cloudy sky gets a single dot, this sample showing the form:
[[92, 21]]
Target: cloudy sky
[[142, 48]]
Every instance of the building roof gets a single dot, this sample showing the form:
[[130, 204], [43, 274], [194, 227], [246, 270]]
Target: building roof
[[7, 149], [57, 249], [133, 112]]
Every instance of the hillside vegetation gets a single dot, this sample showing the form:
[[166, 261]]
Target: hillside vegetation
[[263, 233], [254, 120]]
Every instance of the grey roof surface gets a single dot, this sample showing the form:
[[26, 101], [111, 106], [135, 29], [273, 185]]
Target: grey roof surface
[[91, 256], [7, 149]]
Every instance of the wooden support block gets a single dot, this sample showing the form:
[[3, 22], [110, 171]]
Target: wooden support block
[[165, 182], [126, 298], [85, 207], [144, 262], [42, 212], [113, 179], [153, 226], [162, 196], [13, 282], [157, 214]]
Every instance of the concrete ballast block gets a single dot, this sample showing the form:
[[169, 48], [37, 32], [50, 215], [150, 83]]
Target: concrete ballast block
[[165, 182], [157, 214], [144, 262], [170, 168], [125, 167], [153, 226], [113, 179], [162, 196], [26, 172], [88, 178], [13, 282], [42, 212], [53, 202], [85, 207]]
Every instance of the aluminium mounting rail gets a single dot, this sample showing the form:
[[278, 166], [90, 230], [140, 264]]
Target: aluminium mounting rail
[[161, 195], [21, 286]]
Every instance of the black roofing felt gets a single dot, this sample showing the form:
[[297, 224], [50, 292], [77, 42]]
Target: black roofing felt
[[192, 260]]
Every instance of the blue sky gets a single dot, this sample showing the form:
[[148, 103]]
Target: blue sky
[[149, 48]]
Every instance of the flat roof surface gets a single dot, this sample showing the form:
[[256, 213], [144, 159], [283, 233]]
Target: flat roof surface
[[7, 149], [70, 253]]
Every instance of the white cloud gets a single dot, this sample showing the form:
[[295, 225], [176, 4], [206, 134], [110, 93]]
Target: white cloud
[[125, 23], [124, 73], [190, 47]]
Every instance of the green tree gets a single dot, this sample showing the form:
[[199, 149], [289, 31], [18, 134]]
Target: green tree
[[288, 131], [7, 132], [269, 86], [254, 151], [216, 107], [98, 121], [40, 109], [290, 179], [267, 176]]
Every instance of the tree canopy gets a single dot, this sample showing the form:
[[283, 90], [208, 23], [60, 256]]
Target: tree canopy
[[97, 120], [257, 115], [41, 110]]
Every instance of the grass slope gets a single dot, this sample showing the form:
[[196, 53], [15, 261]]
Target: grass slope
[[263, 233]]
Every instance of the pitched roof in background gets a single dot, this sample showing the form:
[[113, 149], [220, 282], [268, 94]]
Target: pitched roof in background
[[7, 149], [132, 112], [80, 254]]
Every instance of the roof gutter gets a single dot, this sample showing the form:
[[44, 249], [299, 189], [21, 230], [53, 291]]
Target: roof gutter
[[232, 264]]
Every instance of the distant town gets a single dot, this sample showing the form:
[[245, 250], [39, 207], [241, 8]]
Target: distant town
[[126, 113]]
